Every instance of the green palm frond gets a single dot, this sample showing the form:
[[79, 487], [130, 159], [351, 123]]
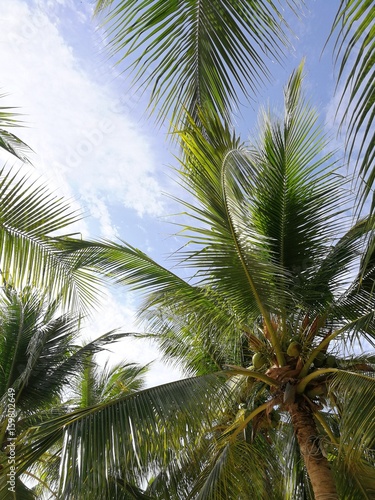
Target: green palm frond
[[353, 396], [355, 52], [38, 350], [222, 478], [196, 349], [197, 54], [30, 252], [296, 483], [99, 384], [129, 433], [8, 141], [20, 492], [89, 384]]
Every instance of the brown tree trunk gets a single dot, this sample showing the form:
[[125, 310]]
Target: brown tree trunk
[[317, 465]]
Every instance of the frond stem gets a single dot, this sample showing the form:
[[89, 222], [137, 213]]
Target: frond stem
[[322, 345], [326, 428], [274, 340], [301, 386], [238, 370], [248, 419]]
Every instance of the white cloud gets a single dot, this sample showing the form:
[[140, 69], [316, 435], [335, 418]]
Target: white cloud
[[87, 145], [84, 141], [118, 311]]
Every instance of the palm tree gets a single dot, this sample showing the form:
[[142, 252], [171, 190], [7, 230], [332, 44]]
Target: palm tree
[[278, 403], [39, 357]]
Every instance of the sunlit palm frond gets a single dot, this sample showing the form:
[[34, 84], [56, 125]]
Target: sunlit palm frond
[[196, 54], [89, 384], [129, 433], [30, 251], [39, 351], [97, 384], [297, 201]]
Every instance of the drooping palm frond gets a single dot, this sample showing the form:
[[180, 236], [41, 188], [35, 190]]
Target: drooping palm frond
[[131, 434], [227, 466], [353, 396], [89, 384], [8, 141], [355, 53], [197, 54], [31, 253]]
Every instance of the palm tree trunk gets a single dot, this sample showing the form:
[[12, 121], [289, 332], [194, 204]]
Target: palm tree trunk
[[317, 465]]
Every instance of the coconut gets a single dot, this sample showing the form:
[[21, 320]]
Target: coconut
[[319, 360], [331, 361], [294, 349], [258, 360]]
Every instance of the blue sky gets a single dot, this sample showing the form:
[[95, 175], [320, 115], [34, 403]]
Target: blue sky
[[94, 144]]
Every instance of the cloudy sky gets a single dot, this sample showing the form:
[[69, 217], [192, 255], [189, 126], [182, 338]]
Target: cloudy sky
[[93, 142]]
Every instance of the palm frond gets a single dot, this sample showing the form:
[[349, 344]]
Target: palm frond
[[196, 54], [221, 477], [355, 52], [127, 435], [353, 396], [8, 141], [30, 251], [38, 351]]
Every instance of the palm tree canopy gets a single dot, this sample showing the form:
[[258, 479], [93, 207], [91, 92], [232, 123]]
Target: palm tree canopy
[[196, 53], [274, 280]]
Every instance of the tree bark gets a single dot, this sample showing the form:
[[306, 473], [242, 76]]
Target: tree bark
[[317, 465]]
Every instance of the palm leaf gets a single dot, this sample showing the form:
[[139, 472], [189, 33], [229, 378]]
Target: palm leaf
[[30, 253], [196, 54], [8, 141], [130, 430], [37, 350], [353, 395], [355, 51]]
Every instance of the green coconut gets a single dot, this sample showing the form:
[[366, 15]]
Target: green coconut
[[319, 360], [258, 360], [294, 349], [331, 361]]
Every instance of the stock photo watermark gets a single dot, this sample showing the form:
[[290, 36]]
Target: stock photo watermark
[[11, 430]]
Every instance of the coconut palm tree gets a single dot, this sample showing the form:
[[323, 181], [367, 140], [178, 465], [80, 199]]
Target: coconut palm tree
[[38, 356], [279, 403]]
